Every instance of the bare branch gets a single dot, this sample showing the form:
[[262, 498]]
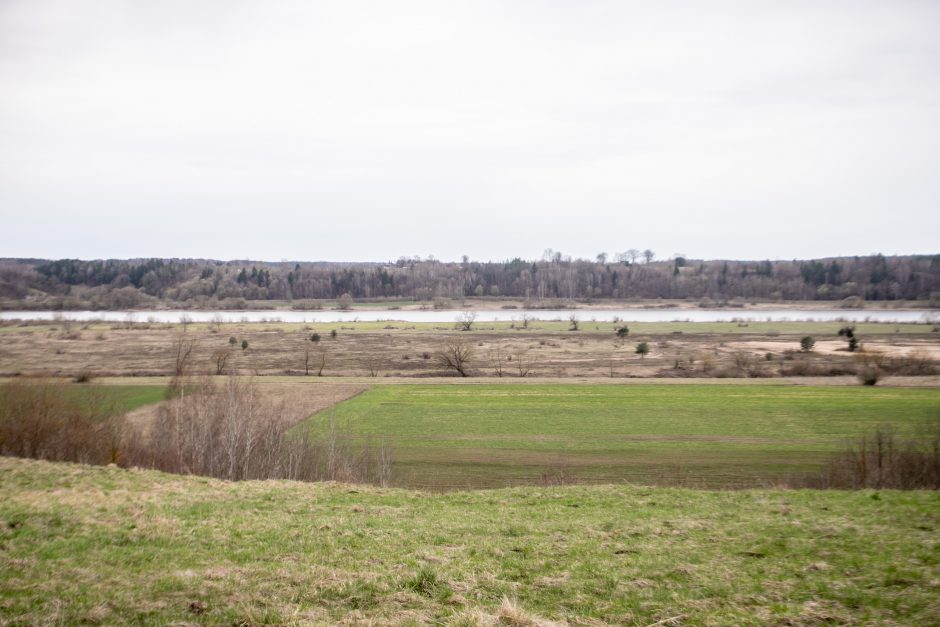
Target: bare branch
[[455, 355]]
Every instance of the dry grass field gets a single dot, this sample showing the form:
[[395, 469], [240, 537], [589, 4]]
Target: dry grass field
[[379, 349]]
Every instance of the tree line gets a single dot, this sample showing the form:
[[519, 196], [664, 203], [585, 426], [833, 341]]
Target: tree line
[[118, 284]]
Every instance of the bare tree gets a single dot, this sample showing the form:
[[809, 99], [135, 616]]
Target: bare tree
[[215, 325], [465, 320], [497, 359], [320, 357], [455, 355], [221, 357], [373, 363], [525, 363], [184, 351], [648, 255], [385, 464], [573, 322], [633, 253]]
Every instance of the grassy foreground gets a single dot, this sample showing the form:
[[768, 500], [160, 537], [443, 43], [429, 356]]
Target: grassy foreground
[[460, 436], [105, 545]]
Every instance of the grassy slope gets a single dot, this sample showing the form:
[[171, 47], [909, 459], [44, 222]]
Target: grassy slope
[[108, 545], [488, 435]]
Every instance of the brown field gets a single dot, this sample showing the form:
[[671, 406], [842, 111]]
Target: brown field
[[677, 350], [294, 398]]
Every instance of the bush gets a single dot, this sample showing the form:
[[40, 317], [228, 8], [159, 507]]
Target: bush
[[41, 421], [914, 363], [869, 375], [83, 377], [885, 461], [807, 344], [870, 367]]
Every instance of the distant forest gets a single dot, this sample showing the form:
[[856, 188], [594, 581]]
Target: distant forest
[[121, 284]]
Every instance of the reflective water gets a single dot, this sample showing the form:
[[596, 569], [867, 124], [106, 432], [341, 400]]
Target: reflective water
[[491, 315]]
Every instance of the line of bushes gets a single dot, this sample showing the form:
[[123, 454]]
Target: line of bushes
[[224, 430]]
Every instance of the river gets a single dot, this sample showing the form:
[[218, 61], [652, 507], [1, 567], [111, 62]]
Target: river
[[493, 315]]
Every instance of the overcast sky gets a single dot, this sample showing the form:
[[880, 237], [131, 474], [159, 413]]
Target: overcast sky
[[369, 130]]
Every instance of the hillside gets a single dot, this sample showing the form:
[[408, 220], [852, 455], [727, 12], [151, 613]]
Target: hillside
[[105, 545]]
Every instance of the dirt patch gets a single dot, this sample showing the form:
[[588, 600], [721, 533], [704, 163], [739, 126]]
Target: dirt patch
[[838, 347], [299, 400], [305, 397], [142, 419]]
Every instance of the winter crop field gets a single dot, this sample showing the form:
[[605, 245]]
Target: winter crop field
[[470, 436]]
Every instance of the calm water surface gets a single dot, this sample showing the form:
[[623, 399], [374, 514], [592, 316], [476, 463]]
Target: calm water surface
[[494, 315]]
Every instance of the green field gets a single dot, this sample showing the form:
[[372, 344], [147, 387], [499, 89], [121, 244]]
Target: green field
[[122, 398], [459, 436], [93, 545]]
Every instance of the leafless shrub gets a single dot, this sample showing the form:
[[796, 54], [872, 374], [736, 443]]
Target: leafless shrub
[[813, 368], [917, 362], [559, 473], [385, 457], [525, 363], [215, 325], [220, 357], [40, 420], [227, 430], [868, 375], [497, 360], [870, 367], [84, 376], [885, 461], [573, 323], [743, 362], [320, 358], [305, 305], [455, 355], [185, 321], [465, 320], [183, 352], [373, 363]]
